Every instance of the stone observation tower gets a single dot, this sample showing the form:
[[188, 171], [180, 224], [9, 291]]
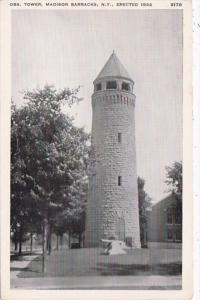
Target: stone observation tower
[[113, 196]]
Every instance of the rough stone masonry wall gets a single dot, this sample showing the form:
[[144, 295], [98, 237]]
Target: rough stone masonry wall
[[113, 113]]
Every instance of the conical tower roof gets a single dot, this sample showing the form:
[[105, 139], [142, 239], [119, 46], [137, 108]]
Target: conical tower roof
[[114, 68]]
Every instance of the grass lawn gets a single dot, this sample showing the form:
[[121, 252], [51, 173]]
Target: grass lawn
[[91, 262]]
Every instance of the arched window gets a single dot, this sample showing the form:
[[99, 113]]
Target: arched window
[[98, 87], [125, 86], [110, 85]]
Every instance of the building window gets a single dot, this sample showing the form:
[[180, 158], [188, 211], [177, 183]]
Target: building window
[[119, 180], [119, 137], [169, 234], [111, 85], [125, 86], [178, 234], [178, 217], [98, 87], [169, 216]]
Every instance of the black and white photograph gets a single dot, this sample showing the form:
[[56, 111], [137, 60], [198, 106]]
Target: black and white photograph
[[96, 149]]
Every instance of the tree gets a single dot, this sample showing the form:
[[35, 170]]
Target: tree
[[72, 219], [49, 158], [144, 202], [175, 182], [174, 179], [21, 183]]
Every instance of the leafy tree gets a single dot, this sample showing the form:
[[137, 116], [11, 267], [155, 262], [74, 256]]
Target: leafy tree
[[72, 219], [22, 212], [174, 179], [175, 182], [49, 158], [144, 202]]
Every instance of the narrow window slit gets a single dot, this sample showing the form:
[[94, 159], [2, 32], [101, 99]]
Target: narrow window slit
[[119, 180], [119, 137]]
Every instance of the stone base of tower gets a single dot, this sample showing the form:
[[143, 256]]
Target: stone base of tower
[[97, 244], [136, 244], [120, 224], [116, 224], [92, 241]]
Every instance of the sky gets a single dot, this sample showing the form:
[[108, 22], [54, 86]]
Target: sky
[[68, 48]]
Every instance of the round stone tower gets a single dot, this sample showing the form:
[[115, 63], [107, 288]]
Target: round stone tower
[[112, 210]]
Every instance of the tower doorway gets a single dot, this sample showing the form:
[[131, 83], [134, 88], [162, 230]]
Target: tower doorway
[[120, 228]]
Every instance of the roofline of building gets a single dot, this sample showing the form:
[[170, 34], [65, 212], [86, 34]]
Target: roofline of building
[[167, 197]]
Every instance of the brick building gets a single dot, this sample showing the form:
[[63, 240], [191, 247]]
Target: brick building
[[165, 221]]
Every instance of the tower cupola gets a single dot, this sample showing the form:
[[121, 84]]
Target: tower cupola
[[113, 76]]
